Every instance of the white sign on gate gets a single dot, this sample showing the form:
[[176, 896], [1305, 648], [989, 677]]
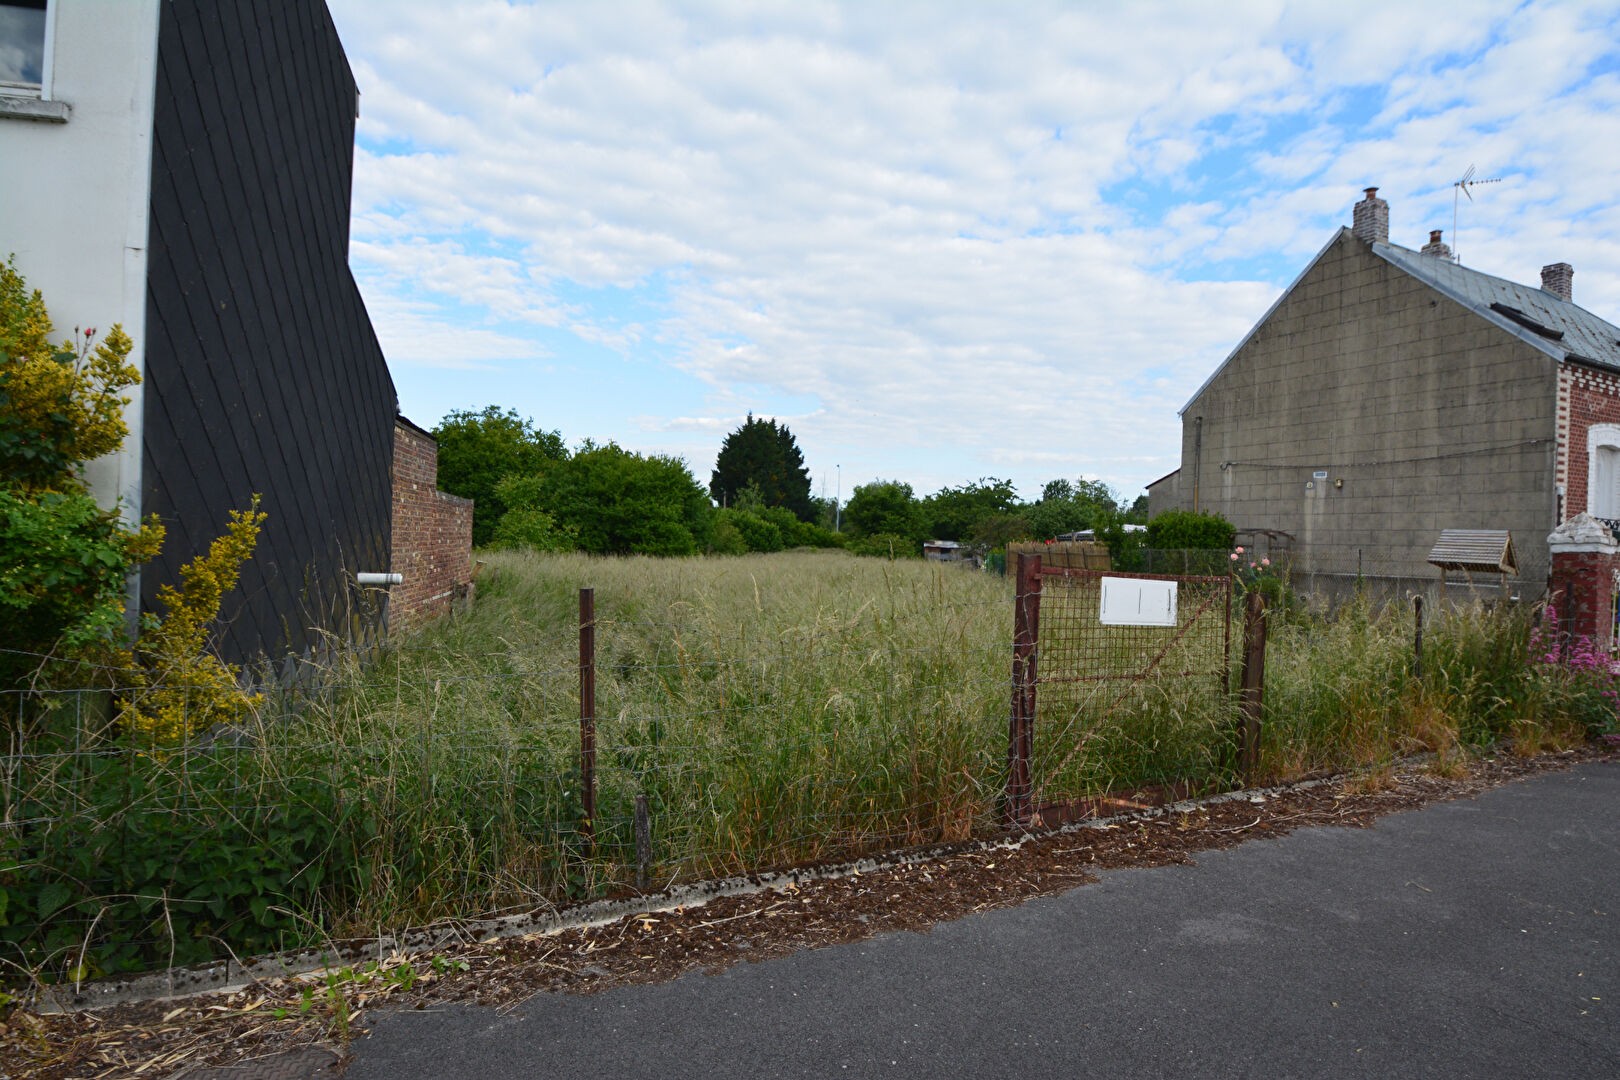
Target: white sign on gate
[[1137, 602]]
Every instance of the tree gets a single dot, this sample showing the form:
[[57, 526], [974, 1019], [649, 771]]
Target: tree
[[954, 513], [1067, 506], [525, 526], [763, 454], [477, 450], [884, 507], [615, 502]]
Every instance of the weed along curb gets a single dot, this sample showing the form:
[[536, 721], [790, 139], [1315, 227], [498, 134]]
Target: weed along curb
[[228, 975]]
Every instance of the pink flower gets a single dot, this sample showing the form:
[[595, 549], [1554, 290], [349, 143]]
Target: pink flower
[[1240, 551], [1254, 566], [1265, 562], [1233, 556]]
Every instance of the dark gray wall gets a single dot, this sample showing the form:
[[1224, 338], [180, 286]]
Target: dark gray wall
[[1423, 410], [263, 374]]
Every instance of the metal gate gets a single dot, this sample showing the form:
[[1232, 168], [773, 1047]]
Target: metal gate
[[1104, 709]]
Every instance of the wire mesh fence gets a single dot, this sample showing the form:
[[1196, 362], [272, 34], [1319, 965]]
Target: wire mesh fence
[[1133, 703]]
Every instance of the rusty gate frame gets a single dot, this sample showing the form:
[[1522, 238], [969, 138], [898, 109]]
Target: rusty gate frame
[[1018, 803]]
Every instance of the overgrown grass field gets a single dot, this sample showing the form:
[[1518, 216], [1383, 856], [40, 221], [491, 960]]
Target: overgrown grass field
[[770, 709]]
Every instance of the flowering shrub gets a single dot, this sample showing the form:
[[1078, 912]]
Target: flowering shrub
[[176, 687], [1252, 572], [1587, 676]]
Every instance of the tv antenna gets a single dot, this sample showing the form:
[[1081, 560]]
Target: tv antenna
[[1463, 187]]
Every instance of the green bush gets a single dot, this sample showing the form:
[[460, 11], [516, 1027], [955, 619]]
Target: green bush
[[725, 538], [886, 545], [1186, 529], [757, 533]]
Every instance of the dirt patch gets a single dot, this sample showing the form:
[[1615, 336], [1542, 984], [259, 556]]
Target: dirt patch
[[167, 1037]]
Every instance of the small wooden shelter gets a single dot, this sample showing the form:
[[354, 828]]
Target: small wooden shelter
[[1474, 551]]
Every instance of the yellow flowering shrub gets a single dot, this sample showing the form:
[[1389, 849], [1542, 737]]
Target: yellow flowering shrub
[[60, 405], [178, 687]]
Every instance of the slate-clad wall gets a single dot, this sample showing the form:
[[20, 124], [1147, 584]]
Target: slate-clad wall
[[1430, 416], [263, 373]]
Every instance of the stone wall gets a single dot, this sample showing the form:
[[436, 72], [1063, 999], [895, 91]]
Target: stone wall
[[432, 533]]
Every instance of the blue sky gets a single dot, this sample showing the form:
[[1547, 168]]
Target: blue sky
[[939, 241]]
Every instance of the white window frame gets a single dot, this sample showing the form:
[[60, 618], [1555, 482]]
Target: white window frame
[[1603, 462], [43, 91]]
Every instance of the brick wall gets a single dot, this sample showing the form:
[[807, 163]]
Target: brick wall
[[432, 544], [1585, 397], [1582, 589]]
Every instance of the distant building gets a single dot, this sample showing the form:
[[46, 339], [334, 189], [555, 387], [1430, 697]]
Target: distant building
[[1391, 393], [946, 551]]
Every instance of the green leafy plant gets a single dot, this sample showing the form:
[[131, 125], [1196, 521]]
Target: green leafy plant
[[1185, 529]]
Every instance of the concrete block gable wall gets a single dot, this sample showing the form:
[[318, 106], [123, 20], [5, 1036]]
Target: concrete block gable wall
[[1421, 415]]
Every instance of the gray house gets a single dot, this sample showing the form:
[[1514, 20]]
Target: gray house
[[1391, 393]]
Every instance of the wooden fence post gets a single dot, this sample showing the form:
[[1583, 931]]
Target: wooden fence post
[[1021, 722], [587, 710], [643, 844], [1417, 638], [1253, 681]]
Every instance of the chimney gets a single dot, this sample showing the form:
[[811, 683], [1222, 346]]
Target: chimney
[[1558, 279], [1435, 247], [1371, 219]]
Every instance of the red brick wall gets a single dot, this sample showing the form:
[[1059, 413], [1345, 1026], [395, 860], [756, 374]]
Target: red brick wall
[[1582, 590], [1585, 397], [432, 534]]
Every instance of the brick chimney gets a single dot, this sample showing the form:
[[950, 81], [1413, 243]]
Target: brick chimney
[[1435, 247], [1558, 279], [1370, 220]]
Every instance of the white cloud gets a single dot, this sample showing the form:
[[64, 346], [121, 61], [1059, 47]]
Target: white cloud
[[959, 240]]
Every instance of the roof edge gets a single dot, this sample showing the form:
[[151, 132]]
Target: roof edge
[[1484, 311], [1263, 319]]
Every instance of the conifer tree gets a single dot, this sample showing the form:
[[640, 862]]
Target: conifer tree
[[763, 454]]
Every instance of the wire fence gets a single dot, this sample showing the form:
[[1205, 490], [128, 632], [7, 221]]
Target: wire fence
[[467, 772], [1129, 703], [424, 786]]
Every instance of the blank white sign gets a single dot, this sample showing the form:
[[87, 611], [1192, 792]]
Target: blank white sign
[[1137, 602]]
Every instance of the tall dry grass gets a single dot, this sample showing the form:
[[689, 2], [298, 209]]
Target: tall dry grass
[[773, 709]]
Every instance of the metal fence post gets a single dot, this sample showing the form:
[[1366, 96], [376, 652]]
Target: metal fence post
[[1021, 723], [1252, 694], [587, 710]]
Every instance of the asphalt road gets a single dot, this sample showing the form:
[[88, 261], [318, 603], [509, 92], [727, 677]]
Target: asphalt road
[[1468, 939]]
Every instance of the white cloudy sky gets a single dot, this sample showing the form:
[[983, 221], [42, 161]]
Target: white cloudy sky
[[938, 240]]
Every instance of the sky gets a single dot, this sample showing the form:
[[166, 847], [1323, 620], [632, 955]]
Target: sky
[[939, 241]]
